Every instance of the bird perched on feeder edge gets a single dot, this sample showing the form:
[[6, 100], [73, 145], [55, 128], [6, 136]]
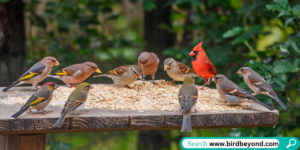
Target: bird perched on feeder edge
[[202, 65], [39, 100], [258, 85], [76, 73], [75, 102], [124, 75], [233, 94], [149, 64], [187, 98], [176, 70], [36, 73]]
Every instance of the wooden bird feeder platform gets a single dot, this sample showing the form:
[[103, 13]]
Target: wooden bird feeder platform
[[28, 131]]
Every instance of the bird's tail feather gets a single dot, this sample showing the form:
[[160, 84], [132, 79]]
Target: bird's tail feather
[[12, 85], [20, 112], [186, 124], [263, 104], [274, 96], [59, 122]]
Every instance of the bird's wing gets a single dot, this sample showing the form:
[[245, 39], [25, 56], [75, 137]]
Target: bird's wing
[[239, 92], [184, 68], [70, 70], [262, 84], [119, 71], [35, 70], [72, 104], [187, 102], [211, 68], [34, 100]]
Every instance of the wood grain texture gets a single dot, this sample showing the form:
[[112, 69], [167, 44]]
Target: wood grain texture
[[23, 142], [123, 120]]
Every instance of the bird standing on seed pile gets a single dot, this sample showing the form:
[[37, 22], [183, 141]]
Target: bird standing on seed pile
[[258, 85], [202, 65], [39, 100], [187, 98], [75, 102], [76, 73], [124, 75], [149, 64], [36, 73], [233, 94], [176, 70]]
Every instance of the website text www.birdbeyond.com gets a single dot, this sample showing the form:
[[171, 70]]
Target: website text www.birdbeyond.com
[[290, 143]]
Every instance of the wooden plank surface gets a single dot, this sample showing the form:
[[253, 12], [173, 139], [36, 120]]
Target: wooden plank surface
[[22, 142], [122, 120]]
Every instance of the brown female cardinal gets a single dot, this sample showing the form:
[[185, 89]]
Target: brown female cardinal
[[203, 67]]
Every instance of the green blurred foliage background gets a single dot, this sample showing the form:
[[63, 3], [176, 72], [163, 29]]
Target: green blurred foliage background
[[264, 35]]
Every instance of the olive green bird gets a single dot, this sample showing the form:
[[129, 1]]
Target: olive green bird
[[75, 102], [187, 97]]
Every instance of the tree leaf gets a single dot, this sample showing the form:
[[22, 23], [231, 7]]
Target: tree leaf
[[241, 38], [297, 62], [283, 3], [281, 66], [233, 32], [149, 5], [296, 46], [296, 9], [273, 7], [255, 28], [287, 21], [284, 12], [284, 48]]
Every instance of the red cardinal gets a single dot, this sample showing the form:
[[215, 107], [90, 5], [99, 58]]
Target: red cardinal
[[202, 65]]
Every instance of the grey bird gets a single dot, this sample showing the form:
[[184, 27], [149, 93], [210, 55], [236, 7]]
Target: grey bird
[[176, 70], [258, 85], [36, 73], [187, 98], [124, 75], [149, 64], [233, 94], [39, 100]]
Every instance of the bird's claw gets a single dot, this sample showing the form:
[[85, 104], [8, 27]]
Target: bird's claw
[[46, 112], [83, 112]]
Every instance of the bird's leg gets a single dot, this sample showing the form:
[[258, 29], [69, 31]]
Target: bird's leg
[[46, 112], [172, 81], [83, 112], [254, 94], [153, 77], [29, 111], [203, 85], [195, 110]]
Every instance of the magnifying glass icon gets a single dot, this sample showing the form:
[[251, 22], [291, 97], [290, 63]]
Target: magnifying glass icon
[[291, 143]]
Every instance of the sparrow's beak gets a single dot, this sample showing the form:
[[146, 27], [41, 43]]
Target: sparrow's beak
[[98, 71], [213, 79], [56, 63], [166, 67], [142, 66], [192, 53], [141, 77], [239, 72]]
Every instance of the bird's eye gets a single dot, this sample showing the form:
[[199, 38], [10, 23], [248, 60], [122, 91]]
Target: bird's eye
[[52, 60], [170, 64], [92, 67], [216, 78], [146, 61], [134, 72], [242, 69]]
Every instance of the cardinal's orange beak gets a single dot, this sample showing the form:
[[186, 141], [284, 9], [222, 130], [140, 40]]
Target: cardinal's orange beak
[[192, 53]]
